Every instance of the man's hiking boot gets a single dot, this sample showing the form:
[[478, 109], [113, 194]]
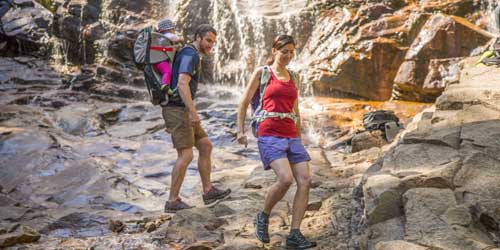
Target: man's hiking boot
[[296, 240], [215, 194], [262, 227], [174, 206]]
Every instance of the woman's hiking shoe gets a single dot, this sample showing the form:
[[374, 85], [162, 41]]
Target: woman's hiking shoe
[[262, 227], [174, 206], [296, 240], [215, 194]]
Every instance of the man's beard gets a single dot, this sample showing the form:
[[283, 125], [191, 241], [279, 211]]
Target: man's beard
[[205, 50]]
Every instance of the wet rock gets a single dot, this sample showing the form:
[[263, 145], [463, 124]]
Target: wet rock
[[78, 224], [35, 72], [116, 226], [121, 44], [121, 91], [12, 213], [19, 235], [442, 72], [366, 140], [110, 115], [129, 129], [402, 26], [350, 72], [29, 24], [75, 120], [453, 7]]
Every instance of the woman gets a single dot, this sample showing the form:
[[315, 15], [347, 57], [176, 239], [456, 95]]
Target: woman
[[279, 141]]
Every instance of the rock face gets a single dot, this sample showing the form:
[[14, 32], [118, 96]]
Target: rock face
[[350, 58], [441, 176], [374, 50], [441, 37], [26, 29]]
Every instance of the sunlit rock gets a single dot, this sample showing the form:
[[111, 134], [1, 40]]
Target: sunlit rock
[[441, 37], [398, 244]]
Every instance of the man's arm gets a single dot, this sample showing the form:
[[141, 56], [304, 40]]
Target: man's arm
[[185, 94]]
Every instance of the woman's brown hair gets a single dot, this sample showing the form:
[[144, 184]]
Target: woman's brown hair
[[280, 42]]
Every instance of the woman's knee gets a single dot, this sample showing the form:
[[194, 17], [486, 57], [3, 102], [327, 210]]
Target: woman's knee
[[304, 180], [285, 181]]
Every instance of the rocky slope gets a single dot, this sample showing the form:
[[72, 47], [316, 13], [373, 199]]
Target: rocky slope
[[438, 187]]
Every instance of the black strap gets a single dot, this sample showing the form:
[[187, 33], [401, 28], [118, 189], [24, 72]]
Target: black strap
[[148, 32]]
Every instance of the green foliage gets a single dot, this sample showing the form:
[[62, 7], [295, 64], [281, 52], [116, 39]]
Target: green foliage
[[47, 4]]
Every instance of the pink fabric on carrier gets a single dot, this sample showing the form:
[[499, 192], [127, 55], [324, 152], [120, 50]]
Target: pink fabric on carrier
[[165, 69]]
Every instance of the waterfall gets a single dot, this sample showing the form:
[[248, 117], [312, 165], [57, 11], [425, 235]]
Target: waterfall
[[170, 7], [246, 30]]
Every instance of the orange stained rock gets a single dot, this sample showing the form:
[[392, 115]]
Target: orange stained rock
[[348, 113]]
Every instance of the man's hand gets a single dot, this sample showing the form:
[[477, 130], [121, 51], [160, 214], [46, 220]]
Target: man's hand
[[242, 139], [195, 119]]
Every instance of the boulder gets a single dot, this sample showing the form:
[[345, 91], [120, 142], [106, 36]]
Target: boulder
[[418, 157], [382, 198], [366, 140], [429, 212], [367, 71]]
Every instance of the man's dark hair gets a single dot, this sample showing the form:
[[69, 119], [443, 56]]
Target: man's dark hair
[[202, 30]]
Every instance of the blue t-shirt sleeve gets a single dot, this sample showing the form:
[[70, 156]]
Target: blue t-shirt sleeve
[[188, 63]]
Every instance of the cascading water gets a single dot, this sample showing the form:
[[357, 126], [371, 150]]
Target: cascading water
[[246, 32], [494, 22]]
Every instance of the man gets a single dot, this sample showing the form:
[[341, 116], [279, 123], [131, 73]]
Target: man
[[183, 123]]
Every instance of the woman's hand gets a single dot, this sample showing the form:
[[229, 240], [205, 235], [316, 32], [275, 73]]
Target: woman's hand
[[242, 139]]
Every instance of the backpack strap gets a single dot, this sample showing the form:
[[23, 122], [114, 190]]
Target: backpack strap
[[265, 76], [175, 94], [295, 79], [148, 31]]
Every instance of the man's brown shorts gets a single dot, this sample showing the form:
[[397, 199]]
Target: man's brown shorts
[[177, 123]]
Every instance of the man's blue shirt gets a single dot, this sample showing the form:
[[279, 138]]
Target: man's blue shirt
[[187, 61]]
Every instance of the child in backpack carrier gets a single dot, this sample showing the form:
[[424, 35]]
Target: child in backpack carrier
[[167, 28]]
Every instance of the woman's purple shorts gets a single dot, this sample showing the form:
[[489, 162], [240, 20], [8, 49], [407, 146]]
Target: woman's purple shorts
[[272, 148]]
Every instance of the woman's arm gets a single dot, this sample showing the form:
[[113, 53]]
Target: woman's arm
[[252, 86]]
